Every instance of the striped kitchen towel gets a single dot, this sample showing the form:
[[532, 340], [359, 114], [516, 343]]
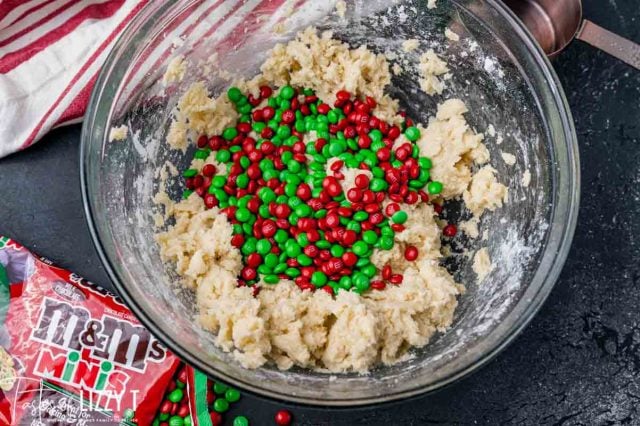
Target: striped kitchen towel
[[51, 52]]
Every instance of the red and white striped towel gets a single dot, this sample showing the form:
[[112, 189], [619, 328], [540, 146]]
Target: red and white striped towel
[[51, 52]]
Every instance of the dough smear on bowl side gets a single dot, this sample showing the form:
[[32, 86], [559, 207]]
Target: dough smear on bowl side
[[279, 322]]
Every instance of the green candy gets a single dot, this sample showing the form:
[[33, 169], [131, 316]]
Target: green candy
[[229, 133], [335, 149], [264, 269], [434, 187], [303, 239], [266, 164], [370, 237], [283, 132], [176, 421], [258, 126], [271, 260], [175, 395], [386, 242], [361, 281], [234, 94], [292, 248], [281, 236], [287, 92], [243, 215], [247, 228], [345, 282], [360, 248], [363, 261], [303, 210], [249, 246], [263, 211], [337, 250], [240, 421], [271, 279], [304, 260], [293, 166], [375, 135], [378, 185], [201, 154], [399, 217], [292, 272], [263, 246], [416, 184], [319, 214], [323, 244], [232, 395], [189, 173], [220, 405], [360, 216], [220, 388], [318, 278], [354, 226], [223, 156], [412, 133], [369, 270], [266, 194]]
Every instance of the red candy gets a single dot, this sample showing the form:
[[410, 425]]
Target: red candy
[[283, 418], [411, 253], [450, 231]]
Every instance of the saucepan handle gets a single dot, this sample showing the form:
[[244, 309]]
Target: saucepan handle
[[613, 44]]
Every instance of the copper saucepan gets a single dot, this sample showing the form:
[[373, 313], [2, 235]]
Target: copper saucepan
[[555, 23]]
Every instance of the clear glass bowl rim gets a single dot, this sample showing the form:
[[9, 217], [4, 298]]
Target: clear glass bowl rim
[[513, 323]]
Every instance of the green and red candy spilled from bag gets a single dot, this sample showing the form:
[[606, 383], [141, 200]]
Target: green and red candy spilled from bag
[[281, 188]]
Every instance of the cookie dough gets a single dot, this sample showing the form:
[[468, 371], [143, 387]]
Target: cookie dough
[[175, 71], [118, 133], [431, 67], [281, 323], [482, 264]]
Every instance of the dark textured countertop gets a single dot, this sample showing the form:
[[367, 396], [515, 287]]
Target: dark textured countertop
[[577, 363]]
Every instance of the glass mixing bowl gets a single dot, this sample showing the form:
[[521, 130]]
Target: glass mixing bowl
[[497, 69]]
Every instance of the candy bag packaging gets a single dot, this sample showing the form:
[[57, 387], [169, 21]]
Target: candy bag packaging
[[70, 351]]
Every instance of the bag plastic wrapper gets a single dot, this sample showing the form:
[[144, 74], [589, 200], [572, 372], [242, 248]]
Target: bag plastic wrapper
[[70, 351]]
